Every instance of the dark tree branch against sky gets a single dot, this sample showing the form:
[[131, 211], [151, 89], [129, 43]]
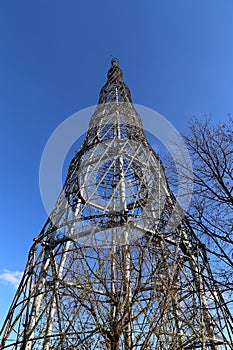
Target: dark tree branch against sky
[[211, 212], [176, 57]]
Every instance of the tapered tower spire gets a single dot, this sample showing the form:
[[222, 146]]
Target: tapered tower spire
[[115, 266], [115, 90]]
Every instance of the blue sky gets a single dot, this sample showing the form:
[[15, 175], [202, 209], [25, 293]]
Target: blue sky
[[176, 57]]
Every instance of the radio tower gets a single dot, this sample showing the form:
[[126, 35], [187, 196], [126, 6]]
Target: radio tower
[[112, 269]]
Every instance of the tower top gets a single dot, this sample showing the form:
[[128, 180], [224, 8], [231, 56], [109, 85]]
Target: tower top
[[115, 90], [115, 107], [115, 62]]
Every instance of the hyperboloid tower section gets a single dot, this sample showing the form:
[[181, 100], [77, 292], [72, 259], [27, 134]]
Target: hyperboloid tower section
[[112, 269]]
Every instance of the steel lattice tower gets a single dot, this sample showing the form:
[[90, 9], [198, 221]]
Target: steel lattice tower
[[111, 269]]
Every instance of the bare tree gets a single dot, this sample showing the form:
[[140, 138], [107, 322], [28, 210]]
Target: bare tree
[[211, 211]]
